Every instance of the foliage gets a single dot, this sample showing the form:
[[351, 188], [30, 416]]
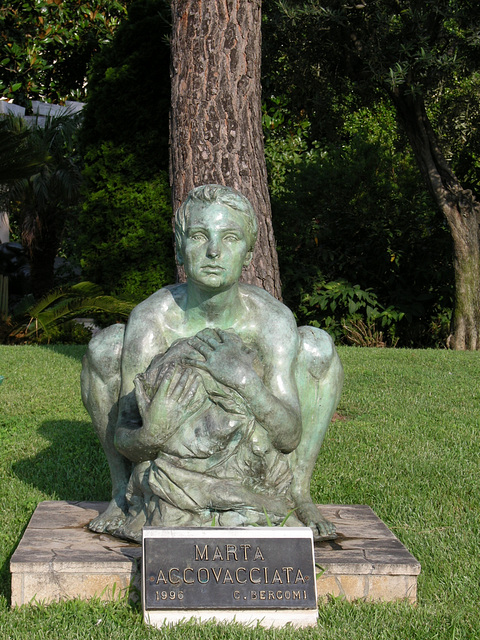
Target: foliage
[[19, 158], [51, 318], [366, 334], [408, 448], [3, 298], [286, 139], [126, 239], [340, 306], [455, 109], [129, 88], [354, 213], [41, 203], [416, 53], [418, 45], [46, 45]]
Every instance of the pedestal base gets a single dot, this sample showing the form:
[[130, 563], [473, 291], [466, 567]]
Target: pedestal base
[[367, 561], [58, 558]]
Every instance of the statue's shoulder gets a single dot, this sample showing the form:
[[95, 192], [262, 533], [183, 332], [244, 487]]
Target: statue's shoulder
[[160, 304], [265, 304], [272, 321], [151, 321]]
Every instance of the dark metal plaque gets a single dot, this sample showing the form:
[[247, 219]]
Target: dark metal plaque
[[236, 569]]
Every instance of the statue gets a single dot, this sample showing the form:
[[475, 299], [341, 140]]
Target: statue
[[210, 404]]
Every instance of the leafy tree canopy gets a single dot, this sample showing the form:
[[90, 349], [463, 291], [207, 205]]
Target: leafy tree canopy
[[321, 53], [124, 235], [46, 45], [129, 87], [423, 54], [401, 45], [40, 203]]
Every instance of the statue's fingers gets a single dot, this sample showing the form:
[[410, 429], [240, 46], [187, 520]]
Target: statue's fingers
[[192, 362], [142, 398], [213, 343], [190, 388], [225, 335], [217, 334], [209, 332], [165, 377], [178, 380], [201, 346], [164, 370], [230, 336], [210, 336]]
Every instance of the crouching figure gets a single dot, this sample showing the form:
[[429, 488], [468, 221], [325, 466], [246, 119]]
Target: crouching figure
[[210, 404]]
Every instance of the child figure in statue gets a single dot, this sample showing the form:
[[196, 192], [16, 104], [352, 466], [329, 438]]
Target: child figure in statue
[[211, 403]]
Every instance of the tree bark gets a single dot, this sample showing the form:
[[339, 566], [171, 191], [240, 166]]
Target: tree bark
[[462, 213], [41, 240], [215, 122]]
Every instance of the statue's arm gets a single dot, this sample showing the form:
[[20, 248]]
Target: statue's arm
[[273, 400], [141, 344]]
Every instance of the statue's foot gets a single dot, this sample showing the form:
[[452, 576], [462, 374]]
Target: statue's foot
[[131, 528], [311, 517], [110, 520], [125, 532]]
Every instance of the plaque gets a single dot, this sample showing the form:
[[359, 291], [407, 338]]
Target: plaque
[[254, 574]]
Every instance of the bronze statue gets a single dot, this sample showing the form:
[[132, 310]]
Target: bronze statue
[[211, 405]]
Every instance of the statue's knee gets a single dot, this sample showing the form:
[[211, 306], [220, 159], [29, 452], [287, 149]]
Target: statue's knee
[[104, 352], [316, 350]]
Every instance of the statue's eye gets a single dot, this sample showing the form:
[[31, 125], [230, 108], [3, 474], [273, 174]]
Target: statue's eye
[[197, 236], [231, 237]]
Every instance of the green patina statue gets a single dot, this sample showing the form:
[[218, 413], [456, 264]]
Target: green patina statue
[[210, 404]]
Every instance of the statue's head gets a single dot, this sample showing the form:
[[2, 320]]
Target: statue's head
[[210, 194]]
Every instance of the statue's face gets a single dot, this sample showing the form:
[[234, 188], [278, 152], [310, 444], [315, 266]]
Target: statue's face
[[215, 246]]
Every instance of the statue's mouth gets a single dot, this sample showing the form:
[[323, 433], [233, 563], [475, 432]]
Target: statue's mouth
[[213, 268]]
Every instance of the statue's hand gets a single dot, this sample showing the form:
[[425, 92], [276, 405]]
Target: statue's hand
[[174, 402], [224, 355]]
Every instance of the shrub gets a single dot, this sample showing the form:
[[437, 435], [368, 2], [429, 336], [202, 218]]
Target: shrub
[[355, 211], [129, 88], [124, 240], [53, 317], [350, 314], [126, 236]]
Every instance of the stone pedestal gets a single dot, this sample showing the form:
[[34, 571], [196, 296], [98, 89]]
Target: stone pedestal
[[58, 558], [367, 561]]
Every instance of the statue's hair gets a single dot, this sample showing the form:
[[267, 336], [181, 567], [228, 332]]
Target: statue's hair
[[215, 194]]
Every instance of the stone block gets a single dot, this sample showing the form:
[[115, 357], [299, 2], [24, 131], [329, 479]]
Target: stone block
[[59, 558]]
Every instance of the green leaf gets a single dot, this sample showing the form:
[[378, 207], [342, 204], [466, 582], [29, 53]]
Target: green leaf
[[352, 307], [282, 524], [267, 518]]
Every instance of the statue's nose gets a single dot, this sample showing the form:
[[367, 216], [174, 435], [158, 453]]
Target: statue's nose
[[213, 249]]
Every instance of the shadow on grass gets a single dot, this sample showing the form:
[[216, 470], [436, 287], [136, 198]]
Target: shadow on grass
[[72, 467], [74, 351]]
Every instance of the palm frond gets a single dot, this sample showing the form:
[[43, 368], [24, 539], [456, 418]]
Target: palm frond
[[19, 157], [64, 305]]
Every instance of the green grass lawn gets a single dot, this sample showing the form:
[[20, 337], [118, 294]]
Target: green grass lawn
[[408, 447]]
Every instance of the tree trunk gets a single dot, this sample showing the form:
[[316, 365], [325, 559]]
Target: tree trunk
[[215, 122], [462, 213], [41, 241], [42, 278]]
